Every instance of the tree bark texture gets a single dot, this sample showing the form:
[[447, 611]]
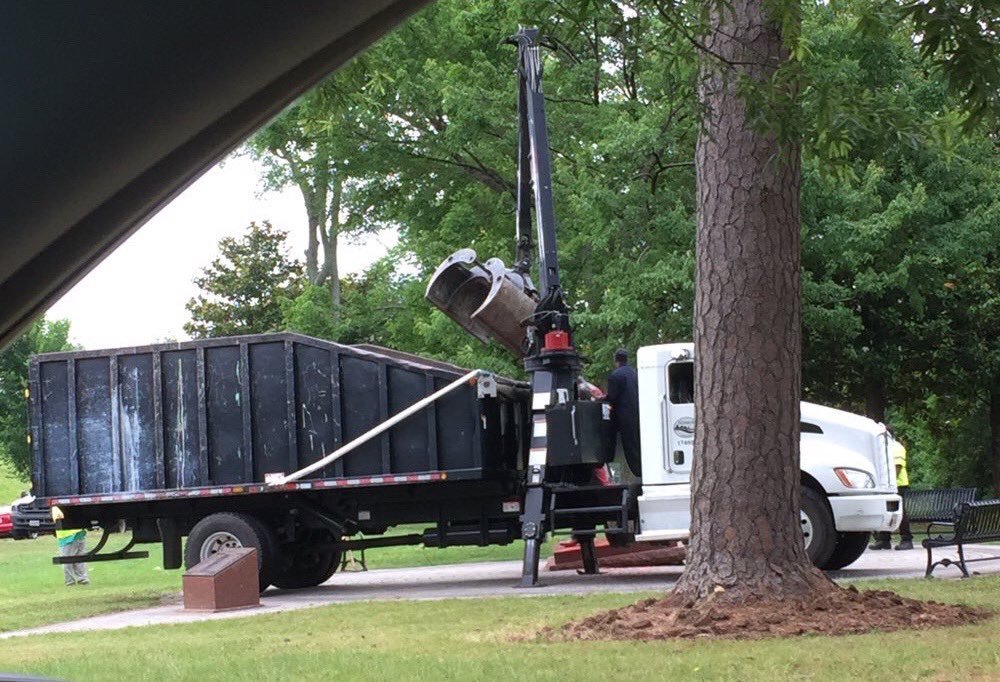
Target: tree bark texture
[[322, 192], [746, 538]]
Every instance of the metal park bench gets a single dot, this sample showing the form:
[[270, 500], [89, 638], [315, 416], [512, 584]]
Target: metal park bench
[[935, 507], [973, 522]]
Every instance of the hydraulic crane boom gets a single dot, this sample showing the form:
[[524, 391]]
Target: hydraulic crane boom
[[491, 301], [551, 360]]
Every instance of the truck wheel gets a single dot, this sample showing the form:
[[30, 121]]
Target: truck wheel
[[849, 547], [305, 566], [225, 530], [817, 527]]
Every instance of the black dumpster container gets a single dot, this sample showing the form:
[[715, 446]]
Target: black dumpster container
[[230, 411]]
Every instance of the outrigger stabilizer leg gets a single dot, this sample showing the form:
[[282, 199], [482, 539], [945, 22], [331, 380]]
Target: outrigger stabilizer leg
[[589, 555], [532, 528]]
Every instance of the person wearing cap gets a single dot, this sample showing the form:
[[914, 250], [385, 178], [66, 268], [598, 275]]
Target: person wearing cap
[[883, 540], [72, 543], [623, 396]]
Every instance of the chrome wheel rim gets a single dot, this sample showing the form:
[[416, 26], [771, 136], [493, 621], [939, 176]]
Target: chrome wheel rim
[[807, 527], [216, 542]]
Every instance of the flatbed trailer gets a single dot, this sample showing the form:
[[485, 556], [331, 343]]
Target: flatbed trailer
[[304, 448], [195, 438]]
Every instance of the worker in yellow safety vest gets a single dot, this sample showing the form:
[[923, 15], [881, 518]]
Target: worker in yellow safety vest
[[72, 542], [882, 539]]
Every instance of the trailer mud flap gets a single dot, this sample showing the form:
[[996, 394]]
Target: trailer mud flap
[[170, 536]]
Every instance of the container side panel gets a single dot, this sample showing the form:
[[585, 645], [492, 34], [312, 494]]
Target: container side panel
[[180, 419], [269, 411], [225, 415], [314, 420], [99, 472], [360, 403], [408, 439], [137, 422], [57, 453], [457, 414]]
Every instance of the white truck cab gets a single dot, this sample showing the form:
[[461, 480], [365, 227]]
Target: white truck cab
[[848, 480]]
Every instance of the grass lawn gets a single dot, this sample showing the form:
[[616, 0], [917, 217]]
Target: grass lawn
[[32, 591], [10, 486], [471, 640]]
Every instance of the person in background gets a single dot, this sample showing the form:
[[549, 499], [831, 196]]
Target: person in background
[[883, 540], [72, 543], [623, 396]]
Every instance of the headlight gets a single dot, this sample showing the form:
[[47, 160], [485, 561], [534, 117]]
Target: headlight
[[855, 478]]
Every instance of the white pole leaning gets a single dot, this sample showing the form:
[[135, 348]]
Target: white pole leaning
[[384, 426]]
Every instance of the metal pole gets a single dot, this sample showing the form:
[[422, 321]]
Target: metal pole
[[384, 426]]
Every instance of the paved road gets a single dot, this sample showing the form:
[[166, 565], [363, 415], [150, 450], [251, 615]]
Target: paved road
[[487, 579]]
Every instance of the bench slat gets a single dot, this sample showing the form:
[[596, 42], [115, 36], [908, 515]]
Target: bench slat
[[935, 505], [979, 521], [974, 522]]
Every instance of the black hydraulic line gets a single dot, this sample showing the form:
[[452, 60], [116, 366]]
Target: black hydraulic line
[[533, 115], [525, 245], [337, 528]]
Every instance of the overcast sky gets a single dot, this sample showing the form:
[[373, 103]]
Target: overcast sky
[[137, 295]]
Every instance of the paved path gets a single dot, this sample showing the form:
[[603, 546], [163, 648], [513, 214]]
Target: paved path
[[487, 579]]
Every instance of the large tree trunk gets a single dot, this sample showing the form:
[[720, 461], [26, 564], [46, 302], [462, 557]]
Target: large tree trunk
[[745, 534], [330, 236], [330, 263], [315, 221], [313, 181]]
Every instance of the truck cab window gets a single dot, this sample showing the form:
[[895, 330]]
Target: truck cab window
[[681, 378]]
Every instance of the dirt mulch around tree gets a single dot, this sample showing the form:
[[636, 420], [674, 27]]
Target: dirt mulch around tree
[[838, 612]]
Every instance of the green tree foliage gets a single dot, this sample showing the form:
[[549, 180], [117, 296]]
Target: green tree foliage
[[897, 252], [899, 204], [44, 336], [962, 38], [311, 146], [438, 117], [244, 286]]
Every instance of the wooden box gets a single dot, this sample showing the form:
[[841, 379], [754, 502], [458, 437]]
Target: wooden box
[[224, 581]]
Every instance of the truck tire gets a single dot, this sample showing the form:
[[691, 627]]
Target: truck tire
[[224, 530], [849, 547], [818, 530], [305, 566]]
